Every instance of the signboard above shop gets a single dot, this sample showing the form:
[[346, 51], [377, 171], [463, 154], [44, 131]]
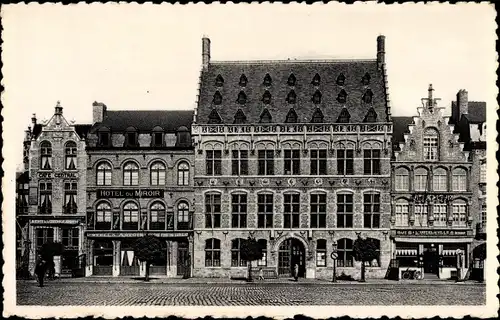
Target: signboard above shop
[[60, 175], [130, 193], [433, 233]]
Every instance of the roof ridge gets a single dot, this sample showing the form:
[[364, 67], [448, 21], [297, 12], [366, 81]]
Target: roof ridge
[[149, 110], [290, 61]]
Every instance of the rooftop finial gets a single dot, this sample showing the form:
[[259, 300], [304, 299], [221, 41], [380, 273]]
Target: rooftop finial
[[431, 101]]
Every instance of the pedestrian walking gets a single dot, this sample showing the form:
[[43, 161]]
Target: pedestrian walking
[[296, 272], [40, 270], [261, 274]]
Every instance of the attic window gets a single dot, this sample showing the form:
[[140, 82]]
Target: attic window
[[344, 116], [242, 98], [266, 97], [291, 117], [131, 137], [366, 79], [342, 96], [217, 100], [371, 116], [239, 117], [219, 81], [291, 80], [183, 137], [265, 116], [316, 80], [103, 138], [291, 97], [317, 116], [368, 96], [316, 99], [157, 137], [243, 81], [267, 80], [341, 79], [214, 117]]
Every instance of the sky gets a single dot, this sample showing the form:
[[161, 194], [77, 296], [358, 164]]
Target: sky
[[132, 56]]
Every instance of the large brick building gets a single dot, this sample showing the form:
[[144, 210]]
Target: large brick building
[[296, 154]]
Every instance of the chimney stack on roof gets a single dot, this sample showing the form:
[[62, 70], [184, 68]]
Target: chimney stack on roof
[[98, 111], [33, 120], [59, 109], [380, 51], [205, 48], [462, 102]]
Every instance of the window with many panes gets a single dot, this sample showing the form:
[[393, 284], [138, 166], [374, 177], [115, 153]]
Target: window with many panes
[[321, 253], [157, 216], [239, 163], [212, 210], [345, 253], [371, 161], [421, 211], [212, 253], [420, 179], [70, 238], [318, 162], [345, 161], [371, 210], [402, 179], [157, 174], [401, 209], [239, 210], [344, 210], [265, 210], [459, 180], [130, 216], [182, 216], [183, 174], [70, 155], [431, 144], [70, 190], [43, 235], [292, 162], [439, 211], [484, 215], [236, 260], [103, 216], [266, 162], [482, 177], [130, 174], [318, 210], [45, 156], [213, 162], [439, 180], [103, 174], [45, 197], [291, 212], [459, 213], [263, 247]]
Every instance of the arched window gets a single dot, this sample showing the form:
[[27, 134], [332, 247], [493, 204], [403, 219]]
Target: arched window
[[402, 179], [212, 253], [157, 139], [421, 214], [103, 174], [103, 216], [459, 180], [130, 174], [421, 179], [236, 260], [459, 213], [157, 174], [401, 210], [183, 137], [321, 253], [70, 155], [375, 262], [440, 214], [345, 253], [431, 143], [182, 216], [263, 247], [45, 156], [183, 174], [130, 216], [439, 180], [131, 137], [157, 216]]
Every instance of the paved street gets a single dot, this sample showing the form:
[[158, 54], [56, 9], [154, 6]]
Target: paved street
[[240, 294]]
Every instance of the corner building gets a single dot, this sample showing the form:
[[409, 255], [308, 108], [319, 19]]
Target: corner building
[[140, 173], [295, 153]]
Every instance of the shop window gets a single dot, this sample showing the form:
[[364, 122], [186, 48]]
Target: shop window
[[157, 174], [239, 162], [371, 161], [236, 260], [219, 81], [439, 180], [402, 209], [130, 174], [431, 144], [459, 180], [217, 99], [239, 210], [407, 254], [291, 116], [316, 80], [291, 206], [266, 162], [267, 80], [70, 190], [45, 155], [263, 247], [130, 216], [70, 155], [341, 79], [103, 216], [321, 253], [291, 97], [291, 80], [371, 210], [459, 213], [45, 190], [243, 81], [420, 179], [242, 98], [240, 117], [212, 253], [212, 210], [439, 211], [421, 211], [157, 216], [70, 238], [449, 255], [402, 179], [318, 210], [43, 235], [213, 162], [183, 174], [103, 174], [292, 162], [265, 206], [318, 161], [344, 210], [182, 216], [345, 253]]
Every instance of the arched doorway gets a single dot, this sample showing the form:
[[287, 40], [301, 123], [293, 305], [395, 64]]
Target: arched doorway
[[291, 252]]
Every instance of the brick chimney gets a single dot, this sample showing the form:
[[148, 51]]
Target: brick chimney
[[205, 48], [33, 120], [98, 111], [380, 51], [462, 103]]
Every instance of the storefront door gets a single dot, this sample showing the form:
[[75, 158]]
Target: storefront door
[[291, 252], [431, 260], [183, 259]]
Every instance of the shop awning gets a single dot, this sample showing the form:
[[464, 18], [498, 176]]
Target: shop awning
[[449, 252], [406, 252]]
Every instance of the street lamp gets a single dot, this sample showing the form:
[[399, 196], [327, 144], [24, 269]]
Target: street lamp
[[334, 257]]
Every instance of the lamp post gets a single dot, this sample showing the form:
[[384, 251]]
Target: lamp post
[[334, 257]]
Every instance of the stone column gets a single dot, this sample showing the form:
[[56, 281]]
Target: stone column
[[411, 179], [116, 257]]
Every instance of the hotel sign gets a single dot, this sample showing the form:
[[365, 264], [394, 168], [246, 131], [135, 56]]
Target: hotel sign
[[130, 193], [433, 233]]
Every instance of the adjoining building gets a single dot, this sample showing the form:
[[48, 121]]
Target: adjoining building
[[295, 153], [139, 181], [435, 188]]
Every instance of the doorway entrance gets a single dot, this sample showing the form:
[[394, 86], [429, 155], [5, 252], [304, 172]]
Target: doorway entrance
[[291, 252], [183, 263], [431, 260]]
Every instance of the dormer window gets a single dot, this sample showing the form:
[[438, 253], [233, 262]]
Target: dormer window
[[266, 97], [316, 99], [344, 116], [131, 137], [316, 80], [104, 139], [317, 116], [368, 96], [214, 117], [242, 98], [342, 96], [341, 79], [291, 80], [157, 137], [366, 79], [267, 80], [266, 117], [219, 81], [371, 116], [183, 137], [291, 97], [239, 117], [243, 81], [291, 117], [217, 100]]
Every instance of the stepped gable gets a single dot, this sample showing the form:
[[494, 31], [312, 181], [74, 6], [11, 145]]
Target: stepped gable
[[304, 87]]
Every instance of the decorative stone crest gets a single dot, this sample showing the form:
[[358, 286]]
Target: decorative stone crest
[[318, 181], [292, 182]]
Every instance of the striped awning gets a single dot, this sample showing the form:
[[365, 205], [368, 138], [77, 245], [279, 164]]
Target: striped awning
[[449, 252], [406, 252]]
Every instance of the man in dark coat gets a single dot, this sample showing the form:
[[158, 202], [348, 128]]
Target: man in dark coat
[[40, 270]]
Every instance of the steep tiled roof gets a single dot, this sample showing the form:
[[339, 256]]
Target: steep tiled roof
[[82, 129], [476, 111], [279, 73], [144, 120], [399, 128], [22, 177]]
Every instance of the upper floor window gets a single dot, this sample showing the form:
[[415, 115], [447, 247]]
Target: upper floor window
[[70, 155], [420, 179], [157, 173], [431, 144], [345, 159], [371, 116], [239, 162], [130, 174], [131, 138], [104, 174], [317, 116], [212, 210], [45, 197], [213, 162], [402, 180], [266, 162], [70, 189], [103, 216], [483, 172], [318, 162], [239, 210], [157, 216], [292, 162], [46, 155], [183, 174], [266, 97], [371, 161], [402, 209], [157, 137], [439, 180], [318, 210], [236, 260], [214, 117], [291, 80], [130, 216], [459, 213], [291, 206], [266, 117], [421, 218], [459, 180], [265, 206], [321, 253], [440, 214], [344, 210], [103, 138], [371, 210], [242, 98], [217, 99], [182, 216], [240, 117]]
